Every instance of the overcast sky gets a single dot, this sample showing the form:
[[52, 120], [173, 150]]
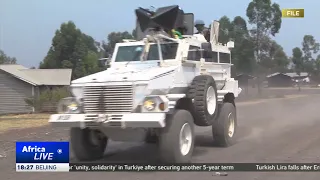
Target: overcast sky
[[27, 26]]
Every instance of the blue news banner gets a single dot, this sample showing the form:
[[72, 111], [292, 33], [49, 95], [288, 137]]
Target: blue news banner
[[42, 156], [54, 157]]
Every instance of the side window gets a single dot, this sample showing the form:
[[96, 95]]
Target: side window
[[194, 54], [211, 56], [224, 57]]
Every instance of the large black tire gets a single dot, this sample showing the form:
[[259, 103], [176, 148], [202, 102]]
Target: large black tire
[[169, 140], [198, 93], [220, 128], [83, 148]]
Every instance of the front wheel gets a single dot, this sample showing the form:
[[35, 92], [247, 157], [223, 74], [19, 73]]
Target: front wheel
[[225, 127], [176, 140], [88, 144]]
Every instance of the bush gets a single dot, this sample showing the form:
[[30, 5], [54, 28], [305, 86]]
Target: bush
[[48, 96], [54, 95]]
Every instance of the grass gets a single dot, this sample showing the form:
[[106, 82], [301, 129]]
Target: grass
[[22, 121]]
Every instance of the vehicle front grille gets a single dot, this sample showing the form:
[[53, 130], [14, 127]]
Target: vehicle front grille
[[113, 99]]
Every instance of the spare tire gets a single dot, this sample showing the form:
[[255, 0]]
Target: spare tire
[[203, 92]]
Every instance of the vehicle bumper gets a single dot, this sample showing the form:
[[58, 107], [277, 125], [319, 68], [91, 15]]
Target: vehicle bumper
[[132, 120]]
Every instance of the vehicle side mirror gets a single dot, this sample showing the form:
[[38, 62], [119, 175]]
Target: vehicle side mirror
[[104, 62], [108, 62], [230, 44]]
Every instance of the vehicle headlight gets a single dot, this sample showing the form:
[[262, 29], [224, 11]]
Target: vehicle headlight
[[140, 92], [77, 91], [149, 104], [69, 105], [155, 104]]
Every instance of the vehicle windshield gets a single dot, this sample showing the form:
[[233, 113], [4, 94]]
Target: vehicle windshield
[[133, 53]]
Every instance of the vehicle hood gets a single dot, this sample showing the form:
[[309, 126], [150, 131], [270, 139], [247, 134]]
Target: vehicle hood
[[126, 74]]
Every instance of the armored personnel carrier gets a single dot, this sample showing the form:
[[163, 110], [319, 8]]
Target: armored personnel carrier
[[157, 90]]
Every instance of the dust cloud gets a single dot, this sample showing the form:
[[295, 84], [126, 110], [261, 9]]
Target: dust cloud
[[277, 116]]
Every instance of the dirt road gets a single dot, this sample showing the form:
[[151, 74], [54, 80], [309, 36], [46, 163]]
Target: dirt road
[[283, 130]]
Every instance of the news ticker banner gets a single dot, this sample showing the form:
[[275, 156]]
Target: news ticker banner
[[42, 156], [54, 157], [201, 167]]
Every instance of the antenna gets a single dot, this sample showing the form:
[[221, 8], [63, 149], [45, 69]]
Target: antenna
[[152, 8]]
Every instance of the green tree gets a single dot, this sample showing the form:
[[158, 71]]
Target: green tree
[[272, 57], [316, 74], [4, 59], [113, 39], [297, 60], [134, 33], [279, 59], [265, 18], [90, 61], [224, 29], [72, 49], [242, 54], [309, 47]]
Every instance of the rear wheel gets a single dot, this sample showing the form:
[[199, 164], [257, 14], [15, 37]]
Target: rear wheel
[[88, 144], [225, 128], [176, 140]]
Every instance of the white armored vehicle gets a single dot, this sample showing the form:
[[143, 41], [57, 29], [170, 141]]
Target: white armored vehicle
[[156, 90]]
